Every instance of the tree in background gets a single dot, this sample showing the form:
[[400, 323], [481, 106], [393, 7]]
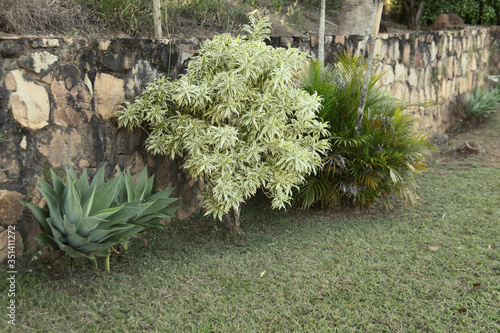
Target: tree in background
[[238, 119], [354, 16], [422, 12]]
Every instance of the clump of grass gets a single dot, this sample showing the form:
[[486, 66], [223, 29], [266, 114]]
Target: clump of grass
[[130, 16], [42, 16], [481, 102]]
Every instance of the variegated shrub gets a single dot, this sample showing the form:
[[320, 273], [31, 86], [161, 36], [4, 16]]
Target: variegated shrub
[[238, 119]]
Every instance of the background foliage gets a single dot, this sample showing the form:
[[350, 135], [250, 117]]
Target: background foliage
[[482, 12]]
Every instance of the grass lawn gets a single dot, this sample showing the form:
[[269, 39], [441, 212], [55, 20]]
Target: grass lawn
[[434, 268]]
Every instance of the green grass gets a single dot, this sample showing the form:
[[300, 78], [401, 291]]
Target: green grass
[[434, 268]]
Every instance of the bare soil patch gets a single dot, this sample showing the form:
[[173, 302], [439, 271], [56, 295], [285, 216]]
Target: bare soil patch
[[485, 134]]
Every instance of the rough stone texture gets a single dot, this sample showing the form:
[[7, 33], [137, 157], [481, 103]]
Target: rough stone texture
[[28, 100], [118, 62], [58, 97], [38, 62], [4, 244], [61, 147], [109, 92], [169, 173], [11, 210], [10, 168], [72, 96]]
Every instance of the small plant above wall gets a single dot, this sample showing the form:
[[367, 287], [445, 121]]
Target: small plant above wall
[[243, 122], [87, 220]]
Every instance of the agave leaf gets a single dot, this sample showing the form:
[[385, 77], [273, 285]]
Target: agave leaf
[[76, 241], [70, 180], [164, 193], [96, 184], [149, 188], [71, 206], [153, 206], [105, 213], [127, 212], [124, 234], [122, 195], [73, 253], [83, 182], [103, 235], [87, 205], [50, 196], [45, 240], [98, 234], [140, 189], [87, 225], [70, 175], [69, 228], [97, 249], [61, 243], [129, 185], [106, 264], [103, 253], [105, 195], [40, 214], [55, 221], [57, 182], [169, 211]]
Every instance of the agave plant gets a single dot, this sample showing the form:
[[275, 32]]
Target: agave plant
[[481, 102], [375, 163], [87, 220]]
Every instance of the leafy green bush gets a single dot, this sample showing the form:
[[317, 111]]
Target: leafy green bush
[[373, 164], [481, 102], [486, 12], [87, 220], [240, 118]]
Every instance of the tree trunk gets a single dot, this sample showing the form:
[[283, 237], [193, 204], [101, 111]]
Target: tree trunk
[[232, 219], [372, 30], [321, 34], [156, 18], [353, 17], [414, 13]]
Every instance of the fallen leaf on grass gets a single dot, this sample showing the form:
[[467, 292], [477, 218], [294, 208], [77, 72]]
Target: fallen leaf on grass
[[462, 310], [434, 248], [262, 274], [489, 246], [337, 245], [476, 284]]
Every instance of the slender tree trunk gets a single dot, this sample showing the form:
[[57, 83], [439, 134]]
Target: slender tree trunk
[[354, 15], [157, 18], [232, 219], [321, 34], [372, 32]]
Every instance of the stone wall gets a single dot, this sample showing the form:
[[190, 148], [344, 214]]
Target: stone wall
[[494, 62], [58, 96], [438, 67]]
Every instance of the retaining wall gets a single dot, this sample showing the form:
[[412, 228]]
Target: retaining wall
[[58, 96]]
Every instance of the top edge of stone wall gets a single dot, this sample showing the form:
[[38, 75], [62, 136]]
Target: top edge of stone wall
[[494, 30]]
